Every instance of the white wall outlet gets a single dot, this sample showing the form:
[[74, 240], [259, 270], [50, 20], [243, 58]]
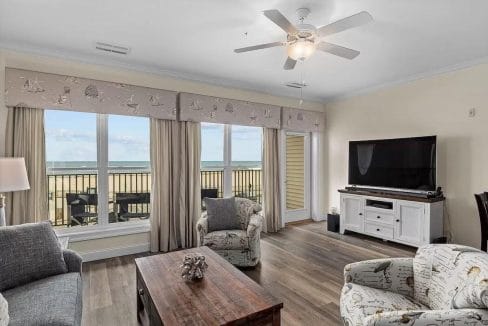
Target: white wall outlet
[[472, 112]]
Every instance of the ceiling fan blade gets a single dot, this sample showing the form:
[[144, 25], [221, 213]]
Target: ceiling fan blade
[[338, 50], [289, 64], [356, 20], [277, 17], [258, 47]]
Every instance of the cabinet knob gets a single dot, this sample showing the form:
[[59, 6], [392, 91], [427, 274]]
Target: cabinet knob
[[360, 214], [140, 291], [378, 230], [378, 216], [398, 221]]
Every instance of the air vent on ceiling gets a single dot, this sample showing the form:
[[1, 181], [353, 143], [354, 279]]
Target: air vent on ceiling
[[112, 48], [296, 84]]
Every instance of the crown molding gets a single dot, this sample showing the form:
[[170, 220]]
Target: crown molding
[[406, 80], [154, 70]]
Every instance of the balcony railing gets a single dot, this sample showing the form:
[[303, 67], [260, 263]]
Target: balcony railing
[[245, 183]]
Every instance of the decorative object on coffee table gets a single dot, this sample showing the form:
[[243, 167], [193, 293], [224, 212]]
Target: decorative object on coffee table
[[13, 177], [225, 296], [193, 268]]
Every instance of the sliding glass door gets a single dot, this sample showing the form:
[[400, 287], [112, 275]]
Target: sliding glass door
[[296, 176]]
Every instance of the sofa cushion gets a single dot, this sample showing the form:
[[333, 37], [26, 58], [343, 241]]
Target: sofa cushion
[[29, 252], [449, 276], [358, 302], [226, 240], [55, 300], [4, 319], [221, 214]]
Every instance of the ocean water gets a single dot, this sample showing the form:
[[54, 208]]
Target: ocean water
[[140, 166]]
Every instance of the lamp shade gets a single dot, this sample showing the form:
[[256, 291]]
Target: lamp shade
[[13, 174]]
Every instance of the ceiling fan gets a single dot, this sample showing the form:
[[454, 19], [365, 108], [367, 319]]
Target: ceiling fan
[[303, 39]]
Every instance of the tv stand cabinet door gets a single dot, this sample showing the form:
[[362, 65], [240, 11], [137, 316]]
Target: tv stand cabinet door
[[351, 214], [410, 223]]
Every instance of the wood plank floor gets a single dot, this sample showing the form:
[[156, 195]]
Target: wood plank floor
[[302, 265]]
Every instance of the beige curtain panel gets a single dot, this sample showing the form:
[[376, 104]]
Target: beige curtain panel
[[175, 197], [271, 180], [25, 138]]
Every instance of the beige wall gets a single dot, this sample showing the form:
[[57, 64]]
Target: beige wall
[[434, 106], [66, 67]]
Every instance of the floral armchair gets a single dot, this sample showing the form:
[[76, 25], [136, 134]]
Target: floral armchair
[[239, 247], [442, 285]]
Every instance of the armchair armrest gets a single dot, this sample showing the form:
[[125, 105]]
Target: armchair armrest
[[454, 317], [392, 274], [73, 261], [202, 228], [255, 225]]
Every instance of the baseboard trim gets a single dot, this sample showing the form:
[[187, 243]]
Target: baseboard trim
[[114, 252]]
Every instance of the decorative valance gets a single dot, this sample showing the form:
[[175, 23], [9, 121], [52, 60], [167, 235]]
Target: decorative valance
[[43, 90], [201, 108], [303, 120]]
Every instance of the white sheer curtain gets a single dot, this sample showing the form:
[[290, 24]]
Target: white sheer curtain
[[271, 180], [175, 173], [25, 138]]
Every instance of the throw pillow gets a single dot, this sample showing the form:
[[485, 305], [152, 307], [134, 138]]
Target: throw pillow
[[29, 252], [221, 214], [4, 319]]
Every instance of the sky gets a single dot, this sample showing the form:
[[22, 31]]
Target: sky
[[71, 136]]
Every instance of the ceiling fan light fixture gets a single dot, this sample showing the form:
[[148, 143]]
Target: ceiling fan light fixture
[[301, 49]]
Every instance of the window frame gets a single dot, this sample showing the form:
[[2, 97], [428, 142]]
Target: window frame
[[227, 166], [103, 228]]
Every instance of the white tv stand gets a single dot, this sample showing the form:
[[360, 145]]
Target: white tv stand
[[406, 219]]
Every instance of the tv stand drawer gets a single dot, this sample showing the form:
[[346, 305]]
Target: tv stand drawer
[[381, 231], [379, 217]]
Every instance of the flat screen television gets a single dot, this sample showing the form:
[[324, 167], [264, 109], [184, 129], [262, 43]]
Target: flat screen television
[[402, 163]]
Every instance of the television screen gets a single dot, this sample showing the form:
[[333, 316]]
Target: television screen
[[403, 163]]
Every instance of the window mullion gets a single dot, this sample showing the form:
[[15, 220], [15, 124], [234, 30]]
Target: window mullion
[[102, 163], [227, 160]]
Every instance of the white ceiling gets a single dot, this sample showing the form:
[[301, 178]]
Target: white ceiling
[[195, 39]]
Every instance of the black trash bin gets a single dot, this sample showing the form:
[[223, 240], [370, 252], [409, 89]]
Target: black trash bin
[[333, 222]]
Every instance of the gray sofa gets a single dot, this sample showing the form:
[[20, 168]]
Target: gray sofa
[[40, 281]]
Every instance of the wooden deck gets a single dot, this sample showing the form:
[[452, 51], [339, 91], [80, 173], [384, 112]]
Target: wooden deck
[[302, 265]]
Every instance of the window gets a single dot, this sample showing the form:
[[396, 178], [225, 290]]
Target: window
[[231, 161], [98, 168]]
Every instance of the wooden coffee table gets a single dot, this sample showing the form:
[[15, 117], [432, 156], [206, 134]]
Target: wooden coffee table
[[225, 296]]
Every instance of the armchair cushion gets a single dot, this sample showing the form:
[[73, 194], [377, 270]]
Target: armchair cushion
[[29, 252], [227, 240], [221, 214], [358, 302], [451, 276], [453, 317], [392, 274]]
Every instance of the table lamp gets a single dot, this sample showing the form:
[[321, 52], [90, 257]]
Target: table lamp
[[13, 177]]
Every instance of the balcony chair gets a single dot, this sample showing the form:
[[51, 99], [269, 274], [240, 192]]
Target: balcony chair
[[77, 208], [241, 247], [482, 202], [208, 193], [444, 284], [123, 200]]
